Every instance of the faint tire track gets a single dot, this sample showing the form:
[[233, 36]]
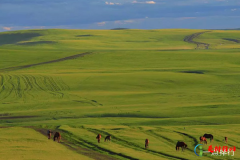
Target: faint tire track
[[190, 38]]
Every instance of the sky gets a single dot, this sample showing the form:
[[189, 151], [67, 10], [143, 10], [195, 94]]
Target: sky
[[109, 14]]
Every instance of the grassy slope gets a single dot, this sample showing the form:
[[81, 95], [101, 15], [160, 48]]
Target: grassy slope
[[132, 78], [26, 144]]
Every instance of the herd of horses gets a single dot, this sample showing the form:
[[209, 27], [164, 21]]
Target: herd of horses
[[203, 139], [183, 145]]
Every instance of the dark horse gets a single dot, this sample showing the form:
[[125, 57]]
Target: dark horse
[[203, 139], [208, 136], [108, 138], [181, 144], [57, 136], [146, 143]]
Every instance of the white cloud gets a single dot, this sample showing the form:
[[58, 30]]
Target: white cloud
[[233, 9], [101, 23], [150, 2], [129, 21], [7, 28], [146, 2], [111, 3], [124, 21]]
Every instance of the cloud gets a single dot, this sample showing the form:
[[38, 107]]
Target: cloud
[[101, 23], [48, 13], [111, 3], [7, 28], [146, 2], [125, 21], [150, 2]]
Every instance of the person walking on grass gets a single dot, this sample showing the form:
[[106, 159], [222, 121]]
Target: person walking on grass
[[49, 133]]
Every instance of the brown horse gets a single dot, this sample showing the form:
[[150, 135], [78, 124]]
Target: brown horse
[[57, 136], [146, 143], [226, 139], [181, 144], [203, 139], [98, 137], [108, 138], [49, 133]]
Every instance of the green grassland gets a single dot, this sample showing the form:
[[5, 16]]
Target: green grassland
[[24, 143], [132, 84]]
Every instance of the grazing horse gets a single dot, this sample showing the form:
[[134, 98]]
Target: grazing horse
[[108, 138], [203, 139], [226, 139], [181, 144], [208, 136], [98, 137], [57, 136], [146, 143], [49, 133]]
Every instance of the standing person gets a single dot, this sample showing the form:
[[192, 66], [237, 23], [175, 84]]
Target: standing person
[[98, 137], [226, 139], [49, 133], [146, 143]]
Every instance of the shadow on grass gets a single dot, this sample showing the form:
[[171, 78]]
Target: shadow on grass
[[85, 35], [13, 38], [128, 115], [38, 42], [195, 72]]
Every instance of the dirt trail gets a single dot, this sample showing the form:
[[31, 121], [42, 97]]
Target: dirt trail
[[48, 62], [84, 151], [200, 45], [233, 40]]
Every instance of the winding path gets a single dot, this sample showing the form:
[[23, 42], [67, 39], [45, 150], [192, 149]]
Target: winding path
[[190, 38]]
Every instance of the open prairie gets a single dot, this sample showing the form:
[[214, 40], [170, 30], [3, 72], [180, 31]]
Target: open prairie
[[165, 85]]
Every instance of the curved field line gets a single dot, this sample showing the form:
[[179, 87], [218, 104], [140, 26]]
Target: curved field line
[[133, 145], [48, 62], [17, 86], [152, 133], [22, 86], [8, 89], [189, 136], [1, 84], [29, 85], [190, 38]]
